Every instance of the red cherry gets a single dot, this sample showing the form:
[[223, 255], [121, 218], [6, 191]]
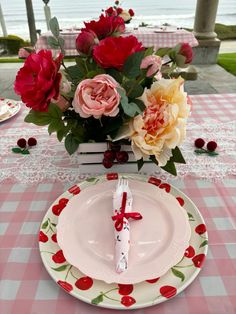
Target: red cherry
[[43, 237], [168, 291], [153, 280], [54, 237], [21, 143], [84, 283], [199, 143], [165, 186], [131, 12], [75, 189], [189, 252], [57, 209], [127, 300], [58, 257], [63, 201], [198, 260], [112, 176], [200, 229], [211, 146], [125, 289], [154, 181], [107, 163], [109, 155], [180, 200], [65, 285], [32, 141], [122, 157]]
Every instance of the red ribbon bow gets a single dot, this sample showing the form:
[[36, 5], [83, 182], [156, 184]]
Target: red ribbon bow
[[119, 218]]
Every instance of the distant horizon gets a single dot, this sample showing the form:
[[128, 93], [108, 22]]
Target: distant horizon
[[154, 12]]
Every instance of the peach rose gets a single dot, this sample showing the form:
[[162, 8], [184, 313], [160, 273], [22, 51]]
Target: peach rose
[[153, 65], [96, 97], [162, 126]]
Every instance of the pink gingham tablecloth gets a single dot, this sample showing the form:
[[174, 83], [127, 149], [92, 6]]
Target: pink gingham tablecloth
[[150, 37], [26, 287]]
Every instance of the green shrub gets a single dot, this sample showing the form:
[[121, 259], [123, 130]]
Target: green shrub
[[12, 44]]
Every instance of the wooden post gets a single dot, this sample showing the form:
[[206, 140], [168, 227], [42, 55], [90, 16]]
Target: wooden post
[[4, 29], [31, 21]]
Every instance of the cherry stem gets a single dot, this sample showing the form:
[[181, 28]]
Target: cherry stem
[[203, 237], [68, 272], [183, 266], [47, 252], [73, 274], [110, 298], [104, 293]]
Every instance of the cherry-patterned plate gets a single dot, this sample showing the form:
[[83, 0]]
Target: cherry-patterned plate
[[122, 296], [13, 107]]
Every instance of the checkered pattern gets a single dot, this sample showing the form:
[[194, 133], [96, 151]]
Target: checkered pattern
[[25, 286], [147, 36]]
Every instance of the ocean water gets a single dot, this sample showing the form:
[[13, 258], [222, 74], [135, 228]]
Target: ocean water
[[72, 13]]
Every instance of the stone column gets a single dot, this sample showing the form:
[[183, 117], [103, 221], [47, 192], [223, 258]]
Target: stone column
[[205, 17], [4, 29]]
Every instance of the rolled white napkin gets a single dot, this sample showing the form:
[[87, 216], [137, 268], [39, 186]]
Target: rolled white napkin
[[122, 211]]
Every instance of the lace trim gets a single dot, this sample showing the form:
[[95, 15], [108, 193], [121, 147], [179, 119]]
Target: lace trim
[[49, 160]]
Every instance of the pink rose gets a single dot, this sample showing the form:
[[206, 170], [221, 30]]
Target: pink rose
[[96, 97], [152, 63]]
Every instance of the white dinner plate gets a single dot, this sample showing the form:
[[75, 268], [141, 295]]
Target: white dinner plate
[[13, 107]]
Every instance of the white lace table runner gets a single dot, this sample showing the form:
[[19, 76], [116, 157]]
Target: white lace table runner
[[50, 161]]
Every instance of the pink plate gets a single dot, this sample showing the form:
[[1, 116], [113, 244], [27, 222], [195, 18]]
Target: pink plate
[[158, 241]]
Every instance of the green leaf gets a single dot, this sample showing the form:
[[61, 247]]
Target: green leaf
[[60, 268], [140, 163], [178, 273], [190, 216], [115, 74], [25, 152], [170, 167], [140, 104], [91, 179], [55, 125], [153, 159], [54, 27], [163, 52], [38, 117], [130, 109], [180, 61], [132, 64], [54, 111], [97, 300], [149, 51], [54, 225], [71, 143], [205, 242], [61, 42], [213, 154], [45, 224], [16, 150], [60, 134], [133, 89], [52, 42], [177, 156], [76, 73]]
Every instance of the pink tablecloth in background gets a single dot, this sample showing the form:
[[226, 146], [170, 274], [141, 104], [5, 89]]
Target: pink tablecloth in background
[[26, 287], [149, 37]]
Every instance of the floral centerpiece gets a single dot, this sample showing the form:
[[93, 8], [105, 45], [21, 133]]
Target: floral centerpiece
[[115, 92], [116, 10]]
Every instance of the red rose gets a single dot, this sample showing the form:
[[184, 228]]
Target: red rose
[[119, 11], [38, 81], [106, 26], [131, 12], [187, 52], [112, 52], [110, 11], [85, 42]]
